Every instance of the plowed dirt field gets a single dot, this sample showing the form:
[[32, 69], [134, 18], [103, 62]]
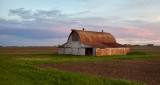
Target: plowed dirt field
[[138, 70]]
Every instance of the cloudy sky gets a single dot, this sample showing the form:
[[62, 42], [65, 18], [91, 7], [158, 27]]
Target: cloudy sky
[[49, 22]]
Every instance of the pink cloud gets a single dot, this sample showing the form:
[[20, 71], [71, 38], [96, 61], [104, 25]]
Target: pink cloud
[[134, 41], [130, 31]]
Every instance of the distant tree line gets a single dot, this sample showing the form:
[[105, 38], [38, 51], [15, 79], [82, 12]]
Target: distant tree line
[[138, 45]]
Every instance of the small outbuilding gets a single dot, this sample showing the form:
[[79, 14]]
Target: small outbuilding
[[91, 43]]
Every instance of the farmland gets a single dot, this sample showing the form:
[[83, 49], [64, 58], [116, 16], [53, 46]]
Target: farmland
[[27, 50], [53, 50], [138, 70], [34, 66], [148, 49]]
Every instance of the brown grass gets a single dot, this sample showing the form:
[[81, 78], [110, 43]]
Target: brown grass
[[27, 50], [148, 49]]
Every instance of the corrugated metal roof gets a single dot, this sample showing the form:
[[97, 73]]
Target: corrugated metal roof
[[97, 39]]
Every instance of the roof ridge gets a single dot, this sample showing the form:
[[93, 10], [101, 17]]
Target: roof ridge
[[89, 31]]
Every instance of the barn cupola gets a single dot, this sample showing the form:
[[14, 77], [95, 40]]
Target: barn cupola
[[83, 29], [102, 30]]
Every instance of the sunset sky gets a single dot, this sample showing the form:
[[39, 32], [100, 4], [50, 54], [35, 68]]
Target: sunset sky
[[49, 22]]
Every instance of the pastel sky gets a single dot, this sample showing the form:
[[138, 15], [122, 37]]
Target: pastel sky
[[49, 22]]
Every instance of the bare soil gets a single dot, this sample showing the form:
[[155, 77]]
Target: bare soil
[[23, 58], [148, 49], [28, 50], [146, 70]]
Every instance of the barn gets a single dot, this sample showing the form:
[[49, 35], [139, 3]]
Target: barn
[[91, 43]]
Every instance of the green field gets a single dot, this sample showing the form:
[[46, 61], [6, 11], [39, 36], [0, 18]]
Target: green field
[[16, 71]]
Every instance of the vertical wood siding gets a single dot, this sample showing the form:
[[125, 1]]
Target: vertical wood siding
[[112, 51]]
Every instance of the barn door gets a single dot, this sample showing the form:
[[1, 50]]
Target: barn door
[[89, 51]]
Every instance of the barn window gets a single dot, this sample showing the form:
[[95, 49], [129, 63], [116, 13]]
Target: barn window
[[75, 36]]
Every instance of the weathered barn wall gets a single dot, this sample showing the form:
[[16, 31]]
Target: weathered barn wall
[[61, 51], [94, 51], [67, 50], [112, 51], [73, 46], [81, 51], [74, 51]]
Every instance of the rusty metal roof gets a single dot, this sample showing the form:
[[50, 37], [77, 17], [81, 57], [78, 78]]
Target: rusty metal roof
[[97, 39]]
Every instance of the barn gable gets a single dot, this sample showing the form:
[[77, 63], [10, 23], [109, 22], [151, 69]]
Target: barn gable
[[74, 40]]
